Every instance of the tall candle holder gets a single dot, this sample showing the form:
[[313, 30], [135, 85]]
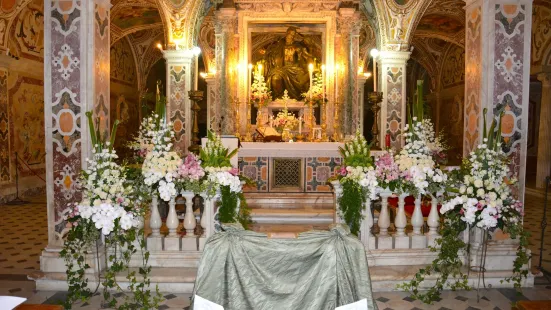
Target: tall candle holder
[[236, 113], [195, 96], [312, 123], [259, 116], [323, 126], [336, 123], [375, 98], [248, 137]]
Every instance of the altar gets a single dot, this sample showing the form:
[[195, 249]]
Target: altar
[[290, 167]]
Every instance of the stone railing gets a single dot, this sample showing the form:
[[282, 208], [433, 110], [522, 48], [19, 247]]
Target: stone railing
[[398, 239], [174, 241]]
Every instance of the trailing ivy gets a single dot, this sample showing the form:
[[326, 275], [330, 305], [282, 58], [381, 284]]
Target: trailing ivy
[[351, 204], [230, 212], [447, 265]]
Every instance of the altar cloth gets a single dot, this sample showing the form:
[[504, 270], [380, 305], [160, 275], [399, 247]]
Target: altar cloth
[[242, 269]]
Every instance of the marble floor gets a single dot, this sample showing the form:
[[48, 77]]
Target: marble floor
[[24, 235]]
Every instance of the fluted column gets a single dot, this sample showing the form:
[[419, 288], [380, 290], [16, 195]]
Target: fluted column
[[225, 55], [544, 139]]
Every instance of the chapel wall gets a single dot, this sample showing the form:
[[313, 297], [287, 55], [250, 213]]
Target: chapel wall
[[22, 104]]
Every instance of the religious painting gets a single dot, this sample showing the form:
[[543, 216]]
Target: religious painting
[[440, 23], [135, 16], [123, 67], [453, 70], [27, 117], [125, 110], [285, 57]]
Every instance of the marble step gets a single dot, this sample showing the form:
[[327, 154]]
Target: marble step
[[289, 198], [298, 215], [293, 229]]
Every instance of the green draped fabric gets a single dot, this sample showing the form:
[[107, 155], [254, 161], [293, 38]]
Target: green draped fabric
[[243, 269]]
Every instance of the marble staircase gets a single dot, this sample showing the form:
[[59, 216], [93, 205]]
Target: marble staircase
[[291, 213]]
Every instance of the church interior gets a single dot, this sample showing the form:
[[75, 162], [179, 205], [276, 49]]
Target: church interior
[[335, 69]]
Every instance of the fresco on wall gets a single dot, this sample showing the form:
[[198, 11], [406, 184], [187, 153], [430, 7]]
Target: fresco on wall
[[133, 16], [27, 118], [28, 30], [453, 69], [123, 67]]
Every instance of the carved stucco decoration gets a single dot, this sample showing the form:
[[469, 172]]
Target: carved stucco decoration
[[426, 57], [287, 6], [182, 20], [368, 40], [121, 6], [541, 35], [207, 42], [398, 22], [146, 54]]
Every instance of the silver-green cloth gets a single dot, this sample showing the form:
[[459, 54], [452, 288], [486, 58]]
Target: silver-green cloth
[[242, 269]]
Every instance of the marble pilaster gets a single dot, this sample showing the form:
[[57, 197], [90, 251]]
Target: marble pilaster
[[226, 58], [179, 74], [392, 65], [544, 139], [76, 80], [497, 68]]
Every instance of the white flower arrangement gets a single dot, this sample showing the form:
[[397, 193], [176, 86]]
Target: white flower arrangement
[[260, 94], [160, 167]]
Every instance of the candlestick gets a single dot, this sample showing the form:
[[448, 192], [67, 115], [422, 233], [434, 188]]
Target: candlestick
[[310, 71], [311, 114], [336, 123], [249, 82], [300, 125], [323, 81], [271, 121], [237, 134], [195, 96], [323, 122], [337, 83], [248, 136]]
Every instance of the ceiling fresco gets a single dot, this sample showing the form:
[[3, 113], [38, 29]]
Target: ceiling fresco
[[133, 16], [440, 23]]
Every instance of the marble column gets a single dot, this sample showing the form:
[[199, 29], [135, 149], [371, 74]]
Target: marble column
[[361, 103], [76, 80], [348, 28], [179, 74], [212, 121], [544, 139], [392, 66], [225, 81], [4, 127], [497, 75]]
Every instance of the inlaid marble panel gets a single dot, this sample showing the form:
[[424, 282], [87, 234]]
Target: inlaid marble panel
[[473, 75], [4, 128], [319, 170], [394, 76], [177, 101], [256, 169]]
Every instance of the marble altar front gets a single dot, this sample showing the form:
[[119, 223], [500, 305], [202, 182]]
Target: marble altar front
[[274, 166]]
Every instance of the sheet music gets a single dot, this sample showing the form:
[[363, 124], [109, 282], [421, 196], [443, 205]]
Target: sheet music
[[10, 302], [359, 305], [200, 303]]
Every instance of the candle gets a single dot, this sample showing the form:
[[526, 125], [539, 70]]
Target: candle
[[337, 83], [196, 72], [323, 82], [249, 82], [300, 125], [310, 71], [387, 141], [271, 121], [374, 53]]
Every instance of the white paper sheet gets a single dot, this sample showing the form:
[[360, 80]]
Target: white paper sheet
[[10, 302], [199, 303], [358, 305]]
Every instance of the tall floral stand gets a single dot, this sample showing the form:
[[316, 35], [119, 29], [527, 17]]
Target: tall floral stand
[[155, 240]]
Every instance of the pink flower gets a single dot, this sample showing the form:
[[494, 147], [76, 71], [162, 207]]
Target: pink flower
[[234, 171], [191, 168], [343, 171]]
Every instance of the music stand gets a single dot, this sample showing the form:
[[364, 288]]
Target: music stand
[[17, 200]]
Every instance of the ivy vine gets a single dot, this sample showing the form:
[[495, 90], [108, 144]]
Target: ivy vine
[[229, 211]]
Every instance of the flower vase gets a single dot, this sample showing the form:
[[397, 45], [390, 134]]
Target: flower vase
[[172, 221], [155, 219], [286, 135]]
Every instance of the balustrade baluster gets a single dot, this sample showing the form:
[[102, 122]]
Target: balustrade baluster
[[384, 241], [401, 240], [418, 241], [433, 221], [172, 221], [155, 218], [189, 242], [366, 236]]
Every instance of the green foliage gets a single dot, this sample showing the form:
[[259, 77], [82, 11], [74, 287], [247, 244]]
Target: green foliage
[[447, 265], [351, 204], [522, 260], [228, 211], [214, 154], [357, 153]]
